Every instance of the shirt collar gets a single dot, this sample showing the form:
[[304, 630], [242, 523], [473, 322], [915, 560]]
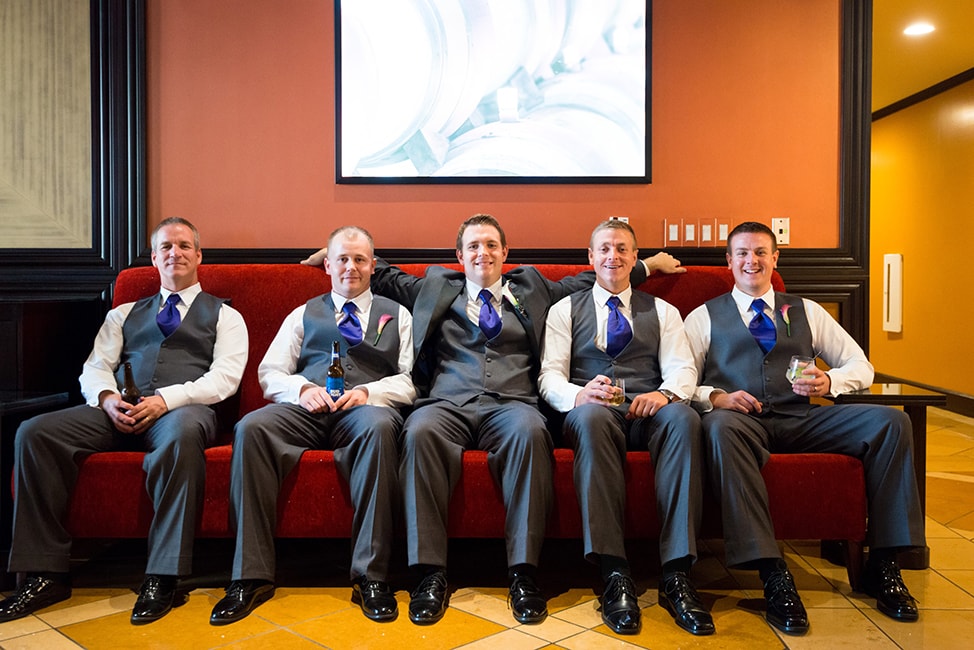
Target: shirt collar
[[363, 301], [602, 295], [187, 295], [473, 289], [744, 300]]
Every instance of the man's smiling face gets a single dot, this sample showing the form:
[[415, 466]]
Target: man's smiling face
[[612, 254], [753, 258], [482, 255]]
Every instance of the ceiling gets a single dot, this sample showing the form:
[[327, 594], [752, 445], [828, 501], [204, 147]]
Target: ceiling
[[904, 65]]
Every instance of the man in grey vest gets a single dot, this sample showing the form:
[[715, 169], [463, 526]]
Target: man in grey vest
[[477, 344], [607, 333], [742, 343], [187, 350], [361, 425]]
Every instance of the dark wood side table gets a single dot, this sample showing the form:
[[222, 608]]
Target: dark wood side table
[[914, 401], [15, 407]]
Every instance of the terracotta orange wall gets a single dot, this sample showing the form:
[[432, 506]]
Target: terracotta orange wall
[[241, 124], [923, 207]]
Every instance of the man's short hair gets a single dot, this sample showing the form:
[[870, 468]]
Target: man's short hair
[[613, 224], [175, 221], [751, 227], [480, 220], [350, 229]]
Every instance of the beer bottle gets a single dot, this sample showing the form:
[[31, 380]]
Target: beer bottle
[[130, 391], [335, 383]]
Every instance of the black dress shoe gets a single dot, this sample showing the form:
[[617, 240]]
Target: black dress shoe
[[427, 602], [680, 599], [882, 581], [785, 609], [526, 600], [156, 598], [243, 596], [376, 599], [620, 609], [34, 593]]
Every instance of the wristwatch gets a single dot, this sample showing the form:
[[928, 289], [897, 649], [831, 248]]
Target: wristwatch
[[670, 395]]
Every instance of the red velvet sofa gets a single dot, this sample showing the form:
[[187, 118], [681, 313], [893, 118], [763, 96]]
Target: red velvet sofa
[[820, 496]]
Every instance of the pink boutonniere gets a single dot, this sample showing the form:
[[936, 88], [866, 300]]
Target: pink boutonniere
[[784, 317], [383, 319]]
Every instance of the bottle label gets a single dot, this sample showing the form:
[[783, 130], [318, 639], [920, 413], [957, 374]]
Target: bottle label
[[335, 386]]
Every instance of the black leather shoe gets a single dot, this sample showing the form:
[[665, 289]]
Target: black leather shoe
[[243, 596], [526, 600], [376, 599], [427, 602], [882, 581], [785, 609], [156, 598], [34, 593], [680, 599], [620, 609]]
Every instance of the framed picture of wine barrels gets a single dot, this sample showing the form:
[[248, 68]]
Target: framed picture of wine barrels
[[480, 91]]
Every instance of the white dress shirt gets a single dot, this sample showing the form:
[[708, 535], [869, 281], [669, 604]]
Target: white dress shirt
[[217, 384], [849, 368], [676, 362], [276, 371]]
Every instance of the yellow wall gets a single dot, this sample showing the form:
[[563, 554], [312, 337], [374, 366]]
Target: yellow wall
[[923, 207]]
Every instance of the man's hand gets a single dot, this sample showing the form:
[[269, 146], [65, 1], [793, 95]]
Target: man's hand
[[597, 391], [663, 262], [352, 398], [316, 258], [740, 401], [813, 382], [316, 399], [133, 418], [646, 405]]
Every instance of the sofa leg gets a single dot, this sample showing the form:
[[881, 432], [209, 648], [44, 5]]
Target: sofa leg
[[845, 553], [854, 562]]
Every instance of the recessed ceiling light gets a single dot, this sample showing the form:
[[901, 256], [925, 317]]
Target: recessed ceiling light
[[919, 29]]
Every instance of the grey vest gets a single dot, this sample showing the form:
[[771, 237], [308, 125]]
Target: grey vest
[[638, 363], [157, 361], [367, 361], [735, 361], [468, 365]]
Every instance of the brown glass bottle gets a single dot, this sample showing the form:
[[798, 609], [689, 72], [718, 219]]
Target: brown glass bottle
[[335, 381], [130, 390]]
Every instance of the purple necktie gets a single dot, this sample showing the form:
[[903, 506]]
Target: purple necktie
[[618, 332], [762, 327], [490, 321], [168, 318], [350, 326]]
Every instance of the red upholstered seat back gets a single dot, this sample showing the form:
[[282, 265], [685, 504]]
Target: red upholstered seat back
[[266, 293]]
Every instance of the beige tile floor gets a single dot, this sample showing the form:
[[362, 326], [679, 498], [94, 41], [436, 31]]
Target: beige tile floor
[[312, 607]]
